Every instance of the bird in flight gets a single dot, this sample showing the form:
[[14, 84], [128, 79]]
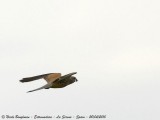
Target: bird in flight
[[54, 80]]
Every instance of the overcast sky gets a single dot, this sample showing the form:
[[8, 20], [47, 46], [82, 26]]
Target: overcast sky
[[113, 45]]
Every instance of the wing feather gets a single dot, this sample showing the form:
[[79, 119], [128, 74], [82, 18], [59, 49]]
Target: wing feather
[[43, 87], [52, 77], [28, 79]]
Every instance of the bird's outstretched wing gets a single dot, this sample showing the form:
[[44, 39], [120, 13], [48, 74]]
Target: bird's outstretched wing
[[28, 79], [50, 77], [43, 87]]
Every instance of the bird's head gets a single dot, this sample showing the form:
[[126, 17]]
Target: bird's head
[[73, 79]]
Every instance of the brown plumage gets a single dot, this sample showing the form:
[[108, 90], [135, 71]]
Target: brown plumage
[[54, 80]]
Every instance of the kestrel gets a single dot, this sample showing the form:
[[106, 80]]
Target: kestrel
[[54, 80]]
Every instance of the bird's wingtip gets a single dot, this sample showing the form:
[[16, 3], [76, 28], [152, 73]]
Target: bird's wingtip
[[21, 80], [29, 91]]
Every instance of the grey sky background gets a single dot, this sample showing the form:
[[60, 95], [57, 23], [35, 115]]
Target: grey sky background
[[113, 45]]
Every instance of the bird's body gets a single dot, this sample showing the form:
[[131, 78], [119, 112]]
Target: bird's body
[[64, 83], [54, 80]]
